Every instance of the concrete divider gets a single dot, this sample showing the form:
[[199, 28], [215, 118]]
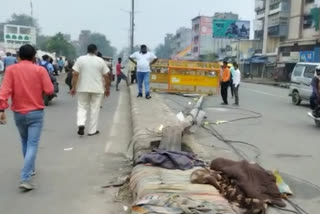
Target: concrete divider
[[153, 182]]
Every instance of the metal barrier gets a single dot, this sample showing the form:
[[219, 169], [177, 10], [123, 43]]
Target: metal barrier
[[186, 77]]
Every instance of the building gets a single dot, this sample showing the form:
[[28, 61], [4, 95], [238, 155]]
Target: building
[[14, 36], [203, 41], [67, 37], [289, 31], [182, 40], [83, 41], [244, 49]]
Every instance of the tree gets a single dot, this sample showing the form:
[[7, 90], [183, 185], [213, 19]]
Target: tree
[[42, 42], [126, 51], [165, 51], [104, 45], [25, 20], [60, 46]]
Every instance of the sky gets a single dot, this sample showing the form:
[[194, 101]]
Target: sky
[[154, 18]]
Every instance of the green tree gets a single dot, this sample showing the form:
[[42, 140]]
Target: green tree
[[42, 42], [23, 19], [60, 46], [20, 19], [125, 51], [104, 45]]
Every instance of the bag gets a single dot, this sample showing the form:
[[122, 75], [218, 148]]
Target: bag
[[68, 79]]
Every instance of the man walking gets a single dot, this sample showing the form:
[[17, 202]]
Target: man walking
[[45, 62], [225, 82], [9, 60], [120, 74], [315, 97], [61, 64], [143, 60], [236, 82], [25, 83], [91, 81]]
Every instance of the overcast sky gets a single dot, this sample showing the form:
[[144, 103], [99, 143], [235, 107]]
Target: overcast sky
[[154, 18]]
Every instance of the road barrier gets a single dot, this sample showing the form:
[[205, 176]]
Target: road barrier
[[186, 77]]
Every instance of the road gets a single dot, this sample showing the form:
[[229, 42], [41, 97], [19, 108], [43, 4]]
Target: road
[[287, 138], [70, 170]]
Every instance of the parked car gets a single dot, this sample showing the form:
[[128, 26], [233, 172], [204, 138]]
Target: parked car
[[300, 87]]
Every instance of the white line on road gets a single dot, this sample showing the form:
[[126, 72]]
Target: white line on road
[[268, 94], [115, 121]]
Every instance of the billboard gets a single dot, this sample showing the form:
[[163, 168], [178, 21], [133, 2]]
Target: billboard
[[17, 35], [232, 29]]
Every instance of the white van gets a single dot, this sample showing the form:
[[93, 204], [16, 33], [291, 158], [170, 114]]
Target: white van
[[300, 87]]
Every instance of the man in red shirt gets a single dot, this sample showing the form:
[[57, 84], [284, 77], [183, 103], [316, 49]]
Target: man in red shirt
[[26, 83], [120, 74]]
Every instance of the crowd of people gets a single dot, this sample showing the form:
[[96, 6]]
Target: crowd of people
[[230, 77], [28, 79]]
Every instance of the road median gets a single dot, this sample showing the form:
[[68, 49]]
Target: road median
[[153, 187]]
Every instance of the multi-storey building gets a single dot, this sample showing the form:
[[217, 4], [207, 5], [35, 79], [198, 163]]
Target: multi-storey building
[[203, 42], [289, 31], [182, 40]]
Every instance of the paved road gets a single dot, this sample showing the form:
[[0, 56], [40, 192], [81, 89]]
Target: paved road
[[287, 138], [68, 181]]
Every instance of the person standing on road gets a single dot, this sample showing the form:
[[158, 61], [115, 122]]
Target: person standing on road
[[225, 82], [25, 83], [9, 60], [61, 64], [91, 81], [143, 60], [232, 70], [236, 82], [46, 64], [120, 74], [315, 97]]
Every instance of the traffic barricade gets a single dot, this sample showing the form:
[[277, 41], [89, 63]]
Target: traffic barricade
[[186, 77], [159, 77]]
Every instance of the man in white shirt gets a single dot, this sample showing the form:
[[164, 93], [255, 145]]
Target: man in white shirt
[[236, 82], [143, 59], [91, 81]]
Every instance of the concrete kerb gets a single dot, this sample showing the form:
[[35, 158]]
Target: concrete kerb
[[147, 117], [269, 83]]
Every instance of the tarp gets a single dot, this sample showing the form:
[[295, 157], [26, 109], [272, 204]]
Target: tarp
[[153, 186]]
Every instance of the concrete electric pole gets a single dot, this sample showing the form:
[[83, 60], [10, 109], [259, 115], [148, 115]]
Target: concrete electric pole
[[132, 27]]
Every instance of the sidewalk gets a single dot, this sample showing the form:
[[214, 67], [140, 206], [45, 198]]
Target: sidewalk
[[265, 81]]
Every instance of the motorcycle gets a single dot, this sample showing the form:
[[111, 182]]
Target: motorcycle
[[315, 116], [48, 98]]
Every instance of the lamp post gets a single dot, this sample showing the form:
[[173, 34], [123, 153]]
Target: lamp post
[[132, 26]]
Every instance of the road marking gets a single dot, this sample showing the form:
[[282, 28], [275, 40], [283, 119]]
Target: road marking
[[115, 121], [264, 93]]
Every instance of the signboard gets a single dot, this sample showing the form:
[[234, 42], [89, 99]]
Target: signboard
[[17, 35], [232, 29], [307, 56]]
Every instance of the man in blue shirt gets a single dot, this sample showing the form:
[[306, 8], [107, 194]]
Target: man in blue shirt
[[9, 60], [46, 63], [61, 64]]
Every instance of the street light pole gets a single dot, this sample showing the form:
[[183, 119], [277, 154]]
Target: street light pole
[[132, 27]]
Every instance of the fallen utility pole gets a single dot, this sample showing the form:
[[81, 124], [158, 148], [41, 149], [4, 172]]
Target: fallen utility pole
[[172, 135]]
